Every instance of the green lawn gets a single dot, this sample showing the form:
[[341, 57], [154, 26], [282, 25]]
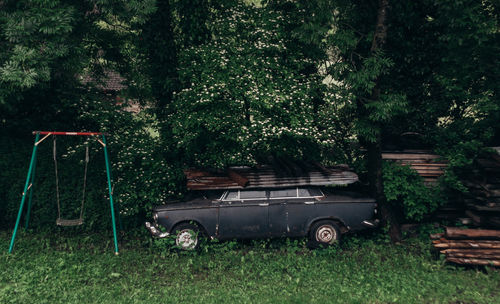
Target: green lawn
[[83, 269]]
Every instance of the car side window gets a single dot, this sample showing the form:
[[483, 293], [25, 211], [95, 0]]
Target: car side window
[[252, 194], [304, 193], [283, 193]]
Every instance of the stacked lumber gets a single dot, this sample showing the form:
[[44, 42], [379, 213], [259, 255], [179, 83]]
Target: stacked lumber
[[281, 173], [428, 165], [469, 246], [203, 180], [482, 201]]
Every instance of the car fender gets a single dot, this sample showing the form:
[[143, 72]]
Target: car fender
[[343, 226], [195, 221]]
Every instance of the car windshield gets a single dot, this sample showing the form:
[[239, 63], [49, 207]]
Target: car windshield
[[232, 195]]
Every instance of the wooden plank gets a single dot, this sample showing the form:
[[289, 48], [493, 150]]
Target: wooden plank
[[429, 179], [483, 208], [457, 233], [266, 176], [458, 250], [466, 254], [213, 187], [474, 216], [211, 178], [430, 174], [420, 161], [409, 156], [310, 175], [436, 236], [238, 178], [427, 169], [466, 244], [428, 164], [465, 261], [298, 179]]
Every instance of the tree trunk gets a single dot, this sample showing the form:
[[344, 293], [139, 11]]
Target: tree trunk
[[157, 41], [374, 147]]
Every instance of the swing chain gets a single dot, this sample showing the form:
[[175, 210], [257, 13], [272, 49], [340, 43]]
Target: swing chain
[[79, 221]]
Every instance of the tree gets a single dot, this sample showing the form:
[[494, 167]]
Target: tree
[[244, 97], [46, 45], [431, 77]]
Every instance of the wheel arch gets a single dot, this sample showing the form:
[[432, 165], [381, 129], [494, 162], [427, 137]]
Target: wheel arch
[[342, 225], [197, 223]]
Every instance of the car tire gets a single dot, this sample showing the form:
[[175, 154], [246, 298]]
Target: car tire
[[187, 236], [323, 233]]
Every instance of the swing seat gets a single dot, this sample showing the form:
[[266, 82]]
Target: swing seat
[[68, 223]]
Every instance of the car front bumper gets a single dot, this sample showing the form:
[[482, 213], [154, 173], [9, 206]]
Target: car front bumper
[[155, 230]]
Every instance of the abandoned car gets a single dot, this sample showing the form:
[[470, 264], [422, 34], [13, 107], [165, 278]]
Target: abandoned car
[[289, 212]]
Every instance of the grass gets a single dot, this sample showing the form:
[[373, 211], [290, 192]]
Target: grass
[[82, 269]]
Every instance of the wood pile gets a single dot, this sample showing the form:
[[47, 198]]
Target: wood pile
[[280, 173], [428, 165], [482, 202], [481, 205], [469, 246]]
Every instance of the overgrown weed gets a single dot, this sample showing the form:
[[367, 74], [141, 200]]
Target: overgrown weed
[[364, 268]]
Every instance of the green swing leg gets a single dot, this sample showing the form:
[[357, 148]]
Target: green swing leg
[[30, 170], [108, 172], [30, 198], [117, 206]]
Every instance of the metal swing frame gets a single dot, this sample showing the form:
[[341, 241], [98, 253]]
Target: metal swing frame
[[28, 186]]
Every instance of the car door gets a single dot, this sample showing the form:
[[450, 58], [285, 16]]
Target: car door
[[299, 212], [278, 213], [243, 214]]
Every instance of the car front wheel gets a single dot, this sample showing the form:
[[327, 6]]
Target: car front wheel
[[187, 236], [323, 233]]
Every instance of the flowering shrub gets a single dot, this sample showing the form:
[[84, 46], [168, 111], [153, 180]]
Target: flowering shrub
[[142, 175], [243, 95]]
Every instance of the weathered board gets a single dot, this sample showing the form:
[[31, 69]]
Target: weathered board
[[280, 174]]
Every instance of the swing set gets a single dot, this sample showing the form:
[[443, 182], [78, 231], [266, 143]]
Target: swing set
[[31, 177]]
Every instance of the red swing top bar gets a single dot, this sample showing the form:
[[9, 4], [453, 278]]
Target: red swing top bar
[[67, 133]]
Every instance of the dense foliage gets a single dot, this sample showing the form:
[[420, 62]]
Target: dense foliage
[[406, 191], [243, 95], [230, 83]]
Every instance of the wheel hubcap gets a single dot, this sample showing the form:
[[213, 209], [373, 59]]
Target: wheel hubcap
[[186, 239], [326, 234]]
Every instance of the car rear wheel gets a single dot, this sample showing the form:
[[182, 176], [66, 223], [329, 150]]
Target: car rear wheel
[[187, 236], [324, 233]]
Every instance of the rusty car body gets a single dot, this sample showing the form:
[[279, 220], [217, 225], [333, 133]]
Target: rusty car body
[[261, 213]]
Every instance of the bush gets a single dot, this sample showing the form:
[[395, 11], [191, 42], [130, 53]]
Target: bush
[[406, 191]]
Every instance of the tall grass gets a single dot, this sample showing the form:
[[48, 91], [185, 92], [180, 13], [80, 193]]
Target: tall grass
[[82, 269]]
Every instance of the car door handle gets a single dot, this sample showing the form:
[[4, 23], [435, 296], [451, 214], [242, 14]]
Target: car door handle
[[309, 203], [264, 204]]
